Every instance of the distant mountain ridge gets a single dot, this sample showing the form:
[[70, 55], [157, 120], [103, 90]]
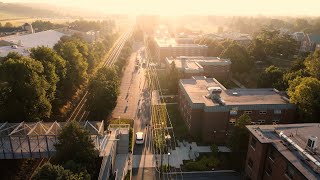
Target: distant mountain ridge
[[21, 10]]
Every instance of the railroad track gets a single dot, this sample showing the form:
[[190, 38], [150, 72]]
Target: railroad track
[[80, 113]]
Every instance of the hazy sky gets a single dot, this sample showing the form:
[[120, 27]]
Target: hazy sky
[[180, 7]]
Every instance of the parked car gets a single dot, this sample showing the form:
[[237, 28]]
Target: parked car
[[139, 138]]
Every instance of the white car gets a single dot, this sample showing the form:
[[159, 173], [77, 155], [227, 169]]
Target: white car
[[139, 138]]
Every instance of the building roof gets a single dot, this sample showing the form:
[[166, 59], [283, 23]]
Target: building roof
[[196, 89], [45, 38], [171, 42], [314, 38], [194, 64], [4, 50], [298, 36], [291, 141]]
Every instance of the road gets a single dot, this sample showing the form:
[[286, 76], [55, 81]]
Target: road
[[134, 103]]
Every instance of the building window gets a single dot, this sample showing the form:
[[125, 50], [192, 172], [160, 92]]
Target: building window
[[233, 112], [275, 121], [253, 143], [232, 121], [261, 121], [272, 155], [250, 163], [277, 111], [248, 112], [269, 170], [263, 112], [289, 171]]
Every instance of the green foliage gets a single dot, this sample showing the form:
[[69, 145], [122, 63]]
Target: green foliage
[[54, 68], [103, 94], [23, 90], [305, 92], [75, 149], [257, 50], [238, 141], [45, 25], [271, 78], [239, 57], [203, 164], [172, 79], [54, 172], [312, 64]]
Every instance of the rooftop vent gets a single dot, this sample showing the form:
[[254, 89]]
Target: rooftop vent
[[312, 142]]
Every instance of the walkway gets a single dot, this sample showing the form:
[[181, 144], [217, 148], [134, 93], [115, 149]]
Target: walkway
[[237, 83]]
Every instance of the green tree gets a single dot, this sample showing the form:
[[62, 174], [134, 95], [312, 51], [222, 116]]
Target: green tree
[[257, 50], [74, 144], [8, 25], [173, 77], [54, 68], [239, 57], [312, 64], [305, 93], [271, 78], [103, 92], [76, 65], [54, 172], [238, 141], [23, 90]]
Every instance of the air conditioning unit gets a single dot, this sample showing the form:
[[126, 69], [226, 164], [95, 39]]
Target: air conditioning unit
[[312, 142]]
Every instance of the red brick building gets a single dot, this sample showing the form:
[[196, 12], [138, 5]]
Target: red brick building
[[210, 110], [286, 151], [201, 66]]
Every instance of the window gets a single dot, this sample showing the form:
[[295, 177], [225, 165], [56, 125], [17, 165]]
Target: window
[[232, 121], [253, 142], [233, 112], [275, 121], [263, 112], [277, 111], [248, 112], [289, 171], [269, 170], [250, 163], [272, 155], [261, 121]]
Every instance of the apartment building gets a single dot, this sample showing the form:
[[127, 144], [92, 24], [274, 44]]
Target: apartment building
[[210, 110], [283, 152], [201, 66]]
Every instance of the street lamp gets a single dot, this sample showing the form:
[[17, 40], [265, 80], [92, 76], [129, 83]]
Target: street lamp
[[168, 161]]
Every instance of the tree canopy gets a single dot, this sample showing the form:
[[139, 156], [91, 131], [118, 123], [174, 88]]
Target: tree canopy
[[312, 64], [75, 146], [271, 77]]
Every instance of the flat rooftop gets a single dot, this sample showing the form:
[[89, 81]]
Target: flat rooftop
[[171, 42], [193, 62], [197, 90], [45, 38], [298, 134]]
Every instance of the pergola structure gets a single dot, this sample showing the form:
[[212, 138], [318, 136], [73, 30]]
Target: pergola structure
[[37, 139]]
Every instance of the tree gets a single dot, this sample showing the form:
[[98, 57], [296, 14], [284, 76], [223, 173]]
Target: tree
[[271, 78], [173, 78], [8, 25], [54, 68], [74, 144], [75, 63], [54, 172], [257, 50], [312, 64], [238, 140], [239, 57], [23, 90], [103, 94], [305, 93]]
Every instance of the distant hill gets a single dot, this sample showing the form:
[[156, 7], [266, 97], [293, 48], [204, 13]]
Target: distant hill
[[19, 10]]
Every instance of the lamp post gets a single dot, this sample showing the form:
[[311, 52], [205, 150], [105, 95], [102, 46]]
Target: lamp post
[[214, 136], [168, 160]]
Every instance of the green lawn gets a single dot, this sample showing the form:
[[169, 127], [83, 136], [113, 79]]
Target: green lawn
[[179, 127]]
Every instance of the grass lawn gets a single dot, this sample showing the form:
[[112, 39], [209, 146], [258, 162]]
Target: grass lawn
[[179, 127], [121, 121]]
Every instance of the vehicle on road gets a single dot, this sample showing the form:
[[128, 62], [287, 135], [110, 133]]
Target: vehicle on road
[[139, 138]]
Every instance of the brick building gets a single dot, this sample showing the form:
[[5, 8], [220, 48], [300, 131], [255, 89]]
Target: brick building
[[201, 66], [285, 151], [210, 110], [168, 47]]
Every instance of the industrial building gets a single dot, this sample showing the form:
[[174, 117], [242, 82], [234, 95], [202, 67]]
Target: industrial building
[[201, 66], [168, 47], [210, 110], [285, 151]]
